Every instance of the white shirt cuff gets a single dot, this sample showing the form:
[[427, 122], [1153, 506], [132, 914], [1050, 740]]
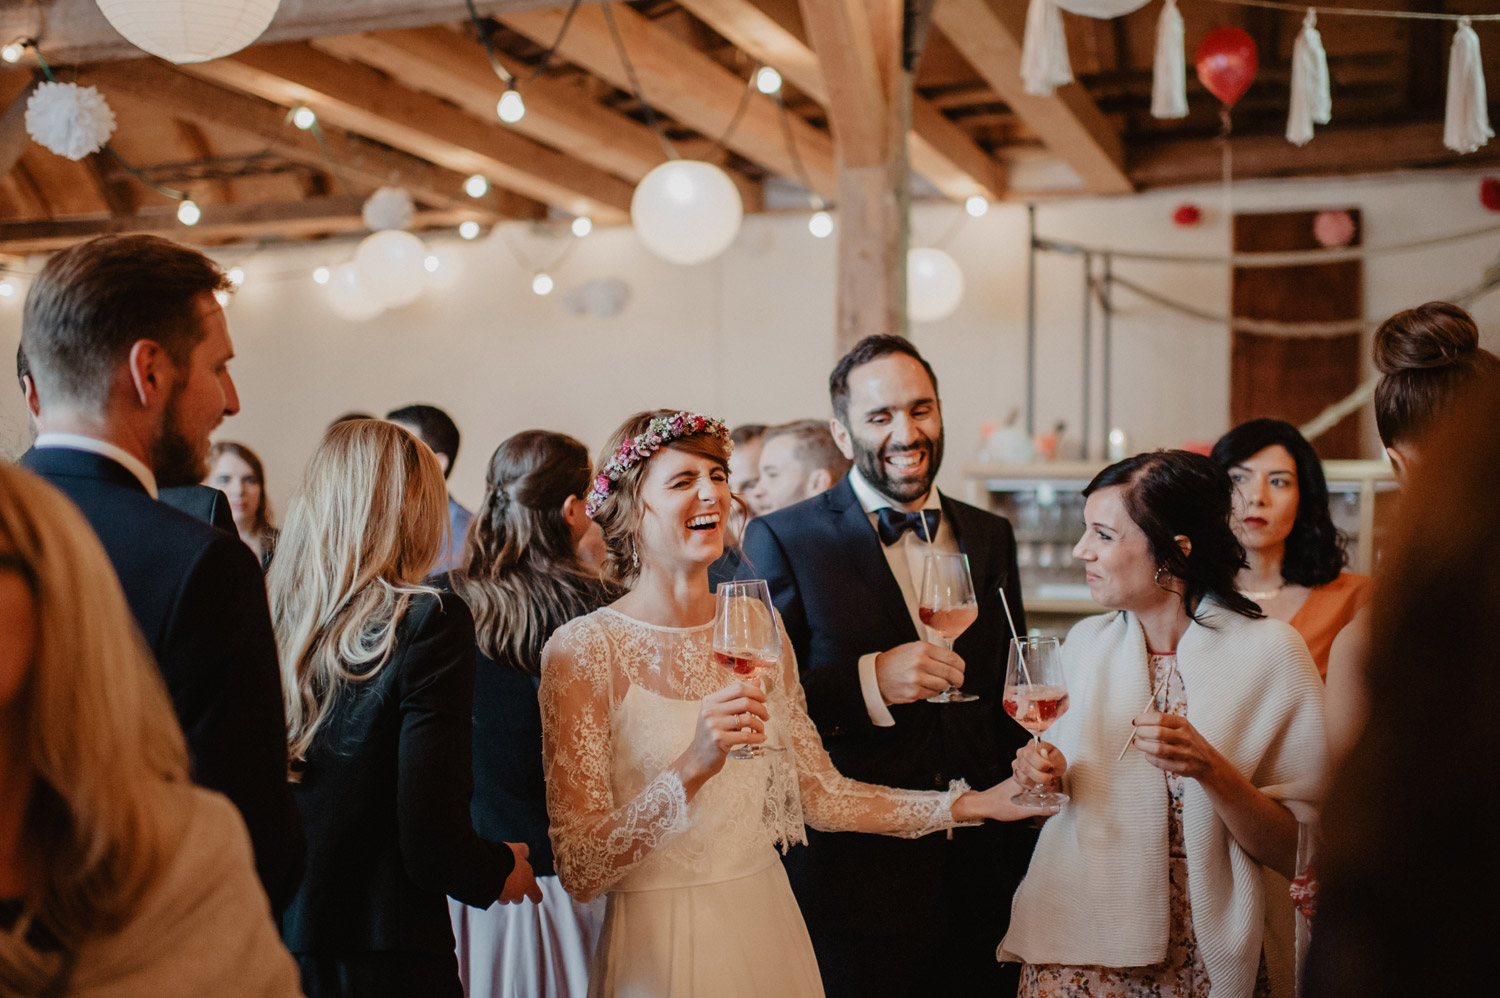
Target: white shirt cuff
[[879, 713]]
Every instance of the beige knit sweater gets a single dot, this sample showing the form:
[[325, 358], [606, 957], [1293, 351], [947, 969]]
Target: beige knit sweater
[[1096, 891]]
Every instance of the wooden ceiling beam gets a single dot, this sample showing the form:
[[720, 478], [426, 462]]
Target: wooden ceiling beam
[[221, 223], [682, 81], [558, 113], [988, 33], [362, 161], [15, 90], [366, 101], [772, 31]]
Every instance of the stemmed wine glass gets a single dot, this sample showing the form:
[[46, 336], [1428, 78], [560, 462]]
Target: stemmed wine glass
[[746, 640], [1036, 695], [948, 606]]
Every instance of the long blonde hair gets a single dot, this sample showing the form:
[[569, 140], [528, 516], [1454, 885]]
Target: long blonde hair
[[98, 735], [364, 528]]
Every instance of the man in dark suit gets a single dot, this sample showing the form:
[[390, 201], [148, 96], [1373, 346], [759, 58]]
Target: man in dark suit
[[129, 349], [889, 916], [203, 502]]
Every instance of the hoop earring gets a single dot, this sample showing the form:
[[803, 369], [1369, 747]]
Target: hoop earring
[[1160, 571]]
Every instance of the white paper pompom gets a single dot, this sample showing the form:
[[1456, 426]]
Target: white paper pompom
[[388, 208], [70, 120]]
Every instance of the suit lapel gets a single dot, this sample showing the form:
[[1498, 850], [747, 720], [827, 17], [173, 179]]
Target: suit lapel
[[974, 541], [860, 547]]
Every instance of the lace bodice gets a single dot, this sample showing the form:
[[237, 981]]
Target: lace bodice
[[620, 699]]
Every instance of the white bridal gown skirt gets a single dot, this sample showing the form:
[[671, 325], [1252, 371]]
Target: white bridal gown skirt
[[740, 937], [527, 950]]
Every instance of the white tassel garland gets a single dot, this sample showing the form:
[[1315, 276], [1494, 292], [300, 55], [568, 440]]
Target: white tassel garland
[[1467, 124], [1044, 51], [1169, 74], [1312, 101]]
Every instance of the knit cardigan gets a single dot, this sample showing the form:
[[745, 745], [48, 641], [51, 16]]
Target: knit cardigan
[[1096, 890]]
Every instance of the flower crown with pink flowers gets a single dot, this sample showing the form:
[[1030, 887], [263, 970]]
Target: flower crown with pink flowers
[[661, 431]]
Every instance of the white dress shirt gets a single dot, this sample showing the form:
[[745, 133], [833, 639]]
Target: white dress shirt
[[76, 441], [906, 558]]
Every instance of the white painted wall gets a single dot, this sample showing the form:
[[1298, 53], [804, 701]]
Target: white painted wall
[[750, 336]]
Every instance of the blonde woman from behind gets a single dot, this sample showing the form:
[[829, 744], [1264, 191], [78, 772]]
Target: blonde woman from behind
[[118, 877]]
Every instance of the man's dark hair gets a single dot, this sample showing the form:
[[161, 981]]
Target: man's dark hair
[[746, 432], [92, 301], [23, 368], [868, 349], [1315, 548], [351, 415], [434, 426]]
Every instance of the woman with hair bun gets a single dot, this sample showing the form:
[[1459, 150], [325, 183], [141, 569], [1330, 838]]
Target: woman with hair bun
[[1192, 754], [1294, 555]]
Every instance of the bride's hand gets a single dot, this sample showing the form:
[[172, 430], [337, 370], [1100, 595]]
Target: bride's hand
[[995, 804], [735, 715]]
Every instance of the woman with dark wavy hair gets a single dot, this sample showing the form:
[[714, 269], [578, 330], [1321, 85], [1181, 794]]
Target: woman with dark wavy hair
[[1294, 555], [1159, 876]]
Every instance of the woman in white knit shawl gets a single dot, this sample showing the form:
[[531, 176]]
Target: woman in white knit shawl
[[1165, 875]]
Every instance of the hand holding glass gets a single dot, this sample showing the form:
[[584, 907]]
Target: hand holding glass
[[746, 640], [1035, 696], [948, 606]]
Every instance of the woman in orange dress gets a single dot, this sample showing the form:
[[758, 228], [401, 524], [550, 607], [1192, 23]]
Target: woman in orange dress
[[1294, 554]]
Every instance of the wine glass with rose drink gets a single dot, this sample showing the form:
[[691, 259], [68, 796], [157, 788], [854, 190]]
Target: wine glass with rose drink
[[746, 640], [1036, 695], [947, 606]]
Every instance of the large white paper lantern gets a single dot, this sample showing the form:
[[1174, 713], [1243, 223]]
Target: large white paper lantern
[[347, 295], [686, 211], [934, 285], [392, 265], [190, 30], [1101, 8]]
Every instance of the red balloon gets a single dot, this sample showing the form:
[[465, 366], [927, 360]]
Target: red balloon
[[1227, 60]]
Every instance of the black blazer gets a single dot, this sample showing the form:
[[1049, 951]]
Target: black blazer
[[830, 580], [200, 601], [385, 800], [204, 502]]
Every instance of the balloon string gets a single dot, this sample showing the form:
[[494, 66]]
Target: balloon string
[[1226, 170]]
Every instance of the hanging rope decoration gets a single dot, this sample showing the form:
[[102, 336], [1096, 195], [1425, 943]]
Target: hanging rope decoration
[[1466, 126]]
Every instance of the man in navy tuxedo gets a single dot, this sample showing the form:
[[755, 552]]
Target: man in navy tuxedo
[[888, 916], [129, 350]]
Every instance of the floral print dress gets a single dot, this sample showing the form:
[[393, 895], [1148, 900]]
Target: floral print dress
[[1181, 974]]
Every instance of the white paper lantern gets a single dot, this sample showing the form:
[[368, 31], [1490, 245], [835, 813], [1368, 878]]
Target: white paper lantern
[[392, 265], [934, 285], [347, 295], [388, 208], [686, 211], [190, 30], [1101, 8]]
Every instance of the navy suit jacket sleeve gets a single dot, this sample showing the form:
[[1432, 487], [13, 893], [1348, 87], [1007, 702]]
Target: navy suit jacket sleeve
[[232, 712], [835, 699], [435, 778]]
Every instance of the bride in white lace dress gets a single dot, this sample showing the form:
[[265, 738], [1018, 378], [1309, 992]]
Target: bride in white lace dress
[[636, 723]]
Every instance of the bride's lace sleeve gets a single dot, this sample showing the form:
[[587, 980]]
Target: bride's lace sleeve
[[832, 802], [596, 840]]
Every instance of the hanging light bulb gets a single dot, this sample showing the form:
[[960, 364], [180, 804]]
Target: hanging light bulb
[[188, 212], [321, 275], [767, 80], [542, 283], [477, 186], [469, 229], [304, 118], [582, 226], [821, 224], [432, 263], [977, 205], [7, 289], [236, 276], [511, 108], [12, 53]]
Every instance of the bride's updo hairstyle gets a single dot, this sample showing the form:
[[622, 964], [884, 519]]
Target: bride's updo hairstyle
[[1427, 355], [619, 515]]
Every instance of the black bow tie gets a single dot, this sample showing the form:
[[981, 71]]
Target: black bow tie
[[892, 523]]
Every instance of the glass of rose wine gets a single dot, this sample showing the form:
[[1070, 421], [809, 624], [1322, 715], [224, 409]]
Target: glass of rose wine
[[746, 640], [1035, 696], [947, 606]]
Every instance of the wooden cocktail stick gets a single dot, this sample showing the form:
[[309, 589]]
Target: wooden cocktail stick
[[1131, 741]]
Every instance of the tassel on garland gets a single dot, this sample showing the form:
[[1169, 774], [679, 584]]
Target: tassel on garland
[[1044, 51], [1312, 101], [1467, 124], [1169, 75]]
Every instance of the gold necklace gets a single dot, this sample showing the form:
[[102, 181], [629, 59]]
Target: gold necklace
[[1257, 596]]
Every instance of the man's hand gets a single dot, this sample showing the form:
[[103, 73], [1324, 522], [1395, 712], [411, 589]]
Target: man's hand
[[521, 884], [916, 671]]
